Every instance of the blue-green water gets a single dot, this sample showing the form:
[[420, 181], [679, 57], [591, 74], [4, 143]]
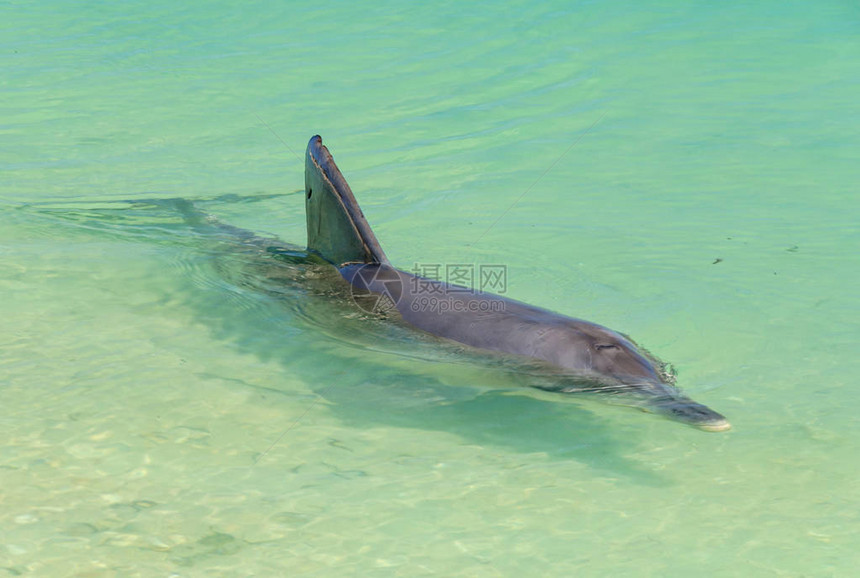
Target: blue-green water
[[685, 173]]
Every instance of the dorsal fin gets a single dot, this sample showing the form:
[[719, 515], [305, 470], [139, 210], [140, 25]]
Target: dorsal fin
[[337, 229]]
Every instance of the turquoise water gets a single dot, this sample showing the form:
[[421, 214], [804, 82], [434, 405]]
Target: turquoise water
[[175, 405]]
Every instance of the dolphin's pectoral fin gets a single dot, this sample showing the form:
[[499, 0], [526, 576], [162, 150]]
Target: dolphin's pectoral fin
[[337, 229]]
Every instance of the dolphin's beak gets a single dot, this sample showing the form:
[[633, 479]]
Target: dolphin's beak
[[722, 425], [688, 411]]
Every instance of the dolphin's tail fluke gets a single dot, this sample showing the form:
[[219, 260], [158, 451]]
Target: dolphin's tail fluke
[[337, 229]]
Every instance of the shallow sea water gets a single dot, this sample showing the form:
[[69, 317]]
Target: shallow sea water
[[174, 404]]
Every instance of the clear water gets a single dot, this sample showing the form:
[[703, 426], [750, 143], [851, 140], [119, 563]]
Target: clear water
[[683, 173]]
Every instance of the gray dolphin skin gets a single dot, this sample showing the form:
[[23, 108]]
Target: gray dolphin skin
[[586, 356]]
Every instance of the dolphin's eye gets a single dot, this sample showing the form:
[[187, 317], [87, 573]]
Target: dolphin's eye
[[604, 346]]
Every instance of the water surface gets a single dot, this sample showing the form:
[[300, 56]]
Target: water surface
[[684, 174]]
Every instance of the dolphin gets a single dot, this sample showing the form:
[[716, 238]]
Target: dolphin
[[583, 356]]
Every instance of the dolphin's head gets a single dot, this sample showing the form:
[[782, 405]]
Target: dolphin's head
[[616, 357], [606, 355], [620, 367]]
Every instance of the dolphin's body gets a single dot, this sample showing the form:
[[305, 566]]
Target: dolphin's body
[[586, 356]]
